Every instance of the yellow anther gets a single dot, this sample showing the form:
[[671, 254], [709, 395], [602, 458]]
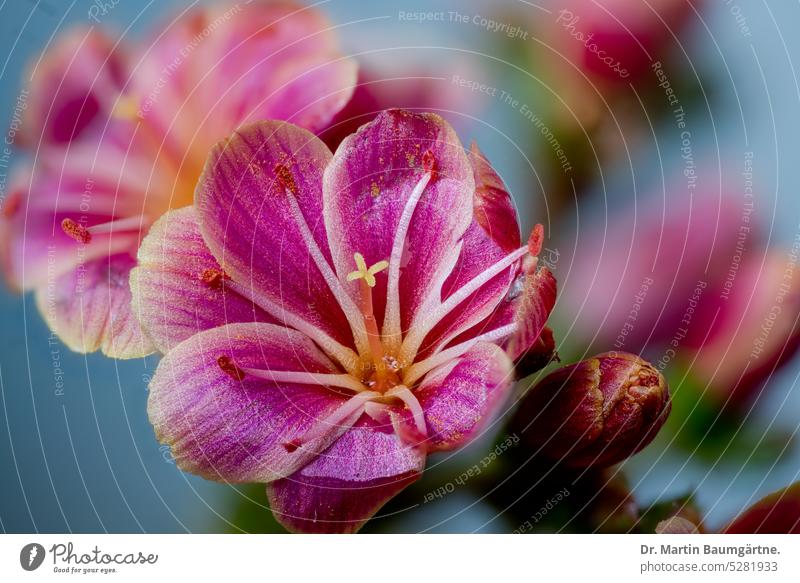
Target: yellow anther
[[365, 273]]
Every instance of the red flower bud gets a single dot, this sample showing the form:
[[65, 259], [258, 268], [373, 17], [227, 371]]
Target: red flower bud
[[597, 412]]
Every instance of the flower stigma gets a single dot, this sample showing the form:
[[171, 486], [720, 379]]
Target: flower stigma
[[385, 367]]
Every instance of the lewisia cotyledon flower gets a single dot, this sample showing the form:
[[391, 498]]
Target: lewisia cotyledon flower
[[328, 320], [119, 136]]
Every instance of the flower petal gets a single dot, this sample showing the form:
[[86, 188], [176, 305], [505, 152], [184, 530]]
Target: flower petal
[[225, 428], [306, 92], [745, 329], [460, 399], [260, 208], [272, 60], [90, 308], [348, 483], [367, 186], [493, 234], [179, 288], [654, 254], [531, 311], [385, 82], [528, 305], [493, 208], [92, 182], [73, 87], [216, 68]]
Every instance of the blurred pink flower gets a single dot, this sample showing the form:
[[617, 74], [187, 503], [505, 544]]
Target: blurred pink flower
[[631, 277], [592, 50], [615, 41], [776, 513], [746, 327], [121, 136], [687, 282], [74, 87]]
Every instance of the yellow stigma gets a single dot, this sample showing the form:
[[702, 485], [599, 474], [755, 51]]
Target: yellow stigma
[[367, 274], [126, 108]]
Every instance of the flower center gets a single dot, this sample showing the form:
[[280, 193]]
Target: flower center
[[381, 373]]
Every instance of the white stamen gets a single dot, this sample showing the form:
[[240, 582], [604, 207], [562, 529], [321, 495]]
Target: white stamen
[[391, 321], [420, 329], [474, 318], [349, 308], [380, 412], [342, 418], [346, 357], [127, 224], [69, 203], [403, 393], [376, 410], [423, 367], [434, 297], [345, 381]]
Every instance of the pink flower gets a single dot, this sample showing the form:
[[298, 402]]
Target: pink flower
[[691, 282], [331, 319], [73, 87], [746, 327], [590, 51], [617, 40], [123, 135], [631, 278], [776, 513]]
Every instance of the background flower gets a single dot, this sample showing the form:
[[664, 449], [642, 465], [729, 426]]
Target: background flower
[[125, 140]]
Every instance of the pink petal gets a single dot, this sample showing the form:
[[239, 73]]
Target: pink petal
[[247, 198], [531, 310], [632, 34], [92, 181], [223, 428], [493, 207], [73, 87], [271, 61], [493, 233], [196, 87], [386, 82], [527, 305], [348, 483], [179, 288], [90, 309], [460, 400], [367, 186], [306, 92]]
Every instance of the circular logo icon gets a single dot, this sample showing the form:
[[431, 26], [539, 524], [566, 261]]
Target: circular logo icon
[[31, 556]]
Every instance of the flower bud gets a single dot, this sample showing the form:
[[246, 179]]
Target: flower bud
[[677, 525], [595, 413]]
